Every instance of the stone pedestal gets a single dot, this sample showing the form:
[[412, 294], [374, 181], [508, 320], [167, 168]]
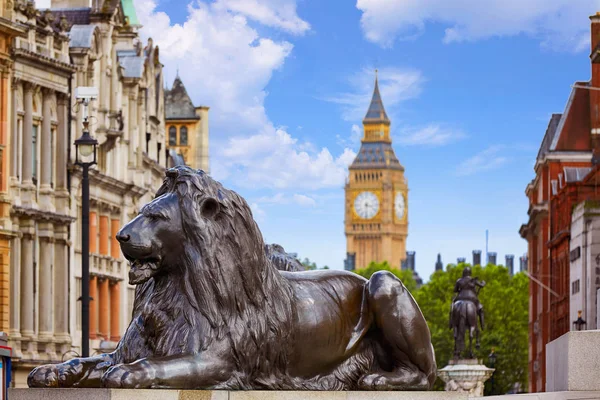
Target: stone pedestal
[[572, 362], [465, 376]]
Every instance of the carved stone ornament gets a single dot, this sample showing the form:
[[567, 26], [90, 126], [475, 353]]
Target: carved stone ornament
[[47, 18], [212, 311], [63, 24]]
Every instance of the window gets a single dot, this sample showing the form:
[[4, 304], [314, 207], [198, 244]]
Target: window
[[172, 136], [183, 138], [34, 155], [575, 287]]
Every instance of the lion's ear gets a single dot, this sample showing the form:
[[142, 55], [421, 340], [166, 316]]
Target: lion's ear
[[209, 208]]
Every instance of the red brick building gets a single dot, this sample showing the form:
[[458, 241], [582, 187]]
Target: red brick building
[[566, 175]]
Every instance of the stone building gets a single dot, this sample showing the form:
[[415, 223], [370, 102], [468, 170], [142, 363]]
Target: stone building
[[8, 30], [78, 43], [187, 126], [38, 188], [561, 257], [376, 218]]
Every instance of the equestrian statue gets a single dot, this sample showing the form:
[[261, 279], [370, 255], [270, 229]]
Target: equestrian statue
[[465, 311]]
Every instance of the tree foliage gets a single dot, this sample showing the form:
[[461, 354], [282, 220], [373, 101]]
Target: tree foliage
[[405, 276], [505, 301], [311, 265]]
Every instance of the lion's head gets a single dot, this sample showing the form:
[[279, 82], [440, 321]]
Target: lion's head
[[200, 238]]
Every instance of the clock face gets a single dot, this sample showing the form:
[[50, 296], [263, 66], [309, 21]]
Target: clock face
[[366, 205], [399, 205]]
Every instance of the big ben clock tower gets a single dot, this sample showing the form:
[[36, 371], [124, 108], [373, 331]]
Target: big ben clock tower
[[376, 219]]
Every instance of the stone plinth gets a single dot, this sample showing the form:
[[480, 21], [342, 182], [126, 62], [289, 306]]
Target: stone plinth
[[465, 376], [573, 362], [159, 394]]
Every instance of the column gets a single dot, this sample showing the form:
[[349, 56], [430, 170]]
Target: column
[[93, 307], [104, 234], [46, 140], [141, 133], [131, 124], [45, 283], [104, 308], [93, 233], [27, 133], [61, 141], [15, 284], [14, 169], [27, 282], [115, 248], [61, 283], [115, 304]]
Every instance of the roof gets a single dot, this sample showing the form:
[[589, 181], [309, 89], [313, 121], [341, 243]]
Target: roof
[[81, 36], [378, 155], [376, 113], [575, 122], [75, 16], [549, 135], [129, 11], [132, 64], [178, 104]]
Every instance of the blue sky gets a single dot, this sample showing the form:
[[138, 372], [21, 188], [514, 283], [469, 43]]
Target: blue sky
[[469, 86]]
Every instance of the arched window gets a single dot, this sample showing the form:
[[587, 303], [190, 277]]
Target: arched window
[[183, 139], [172, 136]]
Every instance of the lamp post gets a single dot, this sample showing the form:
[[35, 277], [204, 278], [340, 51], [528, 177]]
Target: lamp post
[[85, 157], [492, 357], [579, 324]]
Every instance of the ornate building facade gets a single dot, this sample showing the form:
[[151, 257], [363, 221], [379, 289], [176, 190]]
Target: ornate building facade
[[73, 44], [8, 31], [187, 127], [376, 218]]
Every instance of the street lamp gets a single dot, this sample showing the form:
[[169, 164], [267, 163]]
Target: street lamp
[[492, 357], [579, 323], [85, 156]]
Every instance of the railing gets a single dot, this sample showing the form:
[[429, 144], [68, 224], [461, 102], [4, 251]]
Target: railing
[[105, 265], [41, 49]]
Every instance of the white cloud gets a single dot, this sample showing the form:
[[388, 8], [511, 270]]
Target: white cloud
[[395, 84], [430, 135], [257, 212], [281, 198], [559, 24], [273, 13], [273, 159], [485, 160], [354, 140]]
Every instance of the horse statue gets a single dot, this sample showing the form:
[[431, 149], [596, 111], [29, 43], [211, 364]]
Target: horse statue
[[464, 312]]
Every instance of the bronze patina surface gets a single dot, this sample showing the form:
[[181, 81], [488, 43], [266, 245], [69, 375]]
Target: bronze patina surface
[[464, 312], [212, 310]]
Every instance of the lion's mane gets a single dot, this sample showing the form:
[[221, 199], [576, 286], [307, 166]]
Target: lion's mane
[[224, 287]]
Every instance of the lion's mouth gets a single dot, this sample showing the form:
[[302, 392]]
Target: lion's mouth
[[142, 270]]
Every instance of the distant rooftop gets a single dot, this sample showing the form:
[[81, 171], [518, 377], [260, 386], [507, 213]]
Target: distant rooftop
[[178, 104], [376, 113]]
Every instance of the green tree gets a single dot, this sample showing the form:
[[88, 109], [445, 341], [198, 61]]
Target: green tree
[[405, 276], [505, 300], [309, 265]]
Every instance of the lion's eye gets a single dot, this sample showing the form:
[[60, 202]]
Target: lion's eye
[[209, 208]]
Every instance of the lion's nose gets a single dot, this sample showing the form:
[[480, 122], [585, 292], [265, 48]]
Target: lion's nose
[[123, 238]]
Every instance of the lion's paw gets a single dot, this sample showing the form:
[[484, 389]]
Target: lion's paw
[[43, 376], [127, 376]]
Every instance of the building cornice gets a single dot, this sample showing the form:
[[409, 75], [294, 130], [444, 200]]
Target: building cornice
[[40, 215], [111, 184]]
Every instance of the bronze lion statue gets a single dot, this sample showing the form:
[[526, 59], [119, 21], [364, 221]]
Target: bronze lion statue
[[212, 311]]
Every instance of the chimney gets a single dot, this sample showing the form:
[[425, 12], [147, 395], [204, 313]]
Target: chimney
[[350, 261], [461, 260], [492, 258], [476, 257], [510, 264], [410, 259], [595, 94], [523, 266], [439, 266]]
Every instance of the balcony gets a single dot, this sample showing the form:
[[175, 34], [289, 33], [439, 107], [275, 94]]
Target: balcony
[[106, 266]]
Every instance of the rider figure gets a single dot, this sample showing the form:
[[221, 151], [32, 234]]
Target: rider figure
[[466, 289]]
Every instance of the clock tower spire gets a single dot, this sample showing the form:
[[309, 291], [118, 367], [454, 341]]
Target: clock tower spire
[[376, 218]]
